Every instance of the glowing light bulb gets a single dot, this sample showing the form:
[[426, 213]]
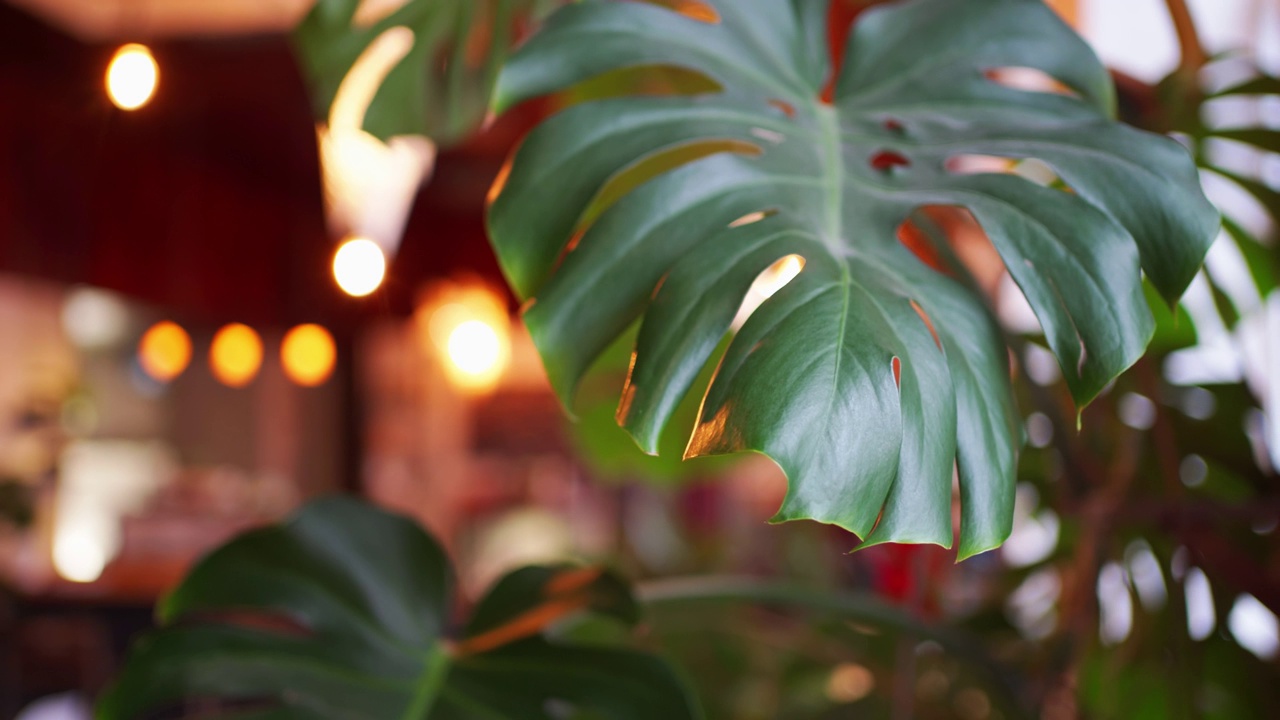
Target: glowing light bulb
[[132, 77], [308, 355], [79, 556], [467, 327], [359, 267], [164, 351], [236, 355], [474, 348]]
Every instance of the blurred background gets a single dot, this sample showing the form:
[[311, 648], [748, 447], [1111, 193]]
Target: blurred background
[[192, 343]]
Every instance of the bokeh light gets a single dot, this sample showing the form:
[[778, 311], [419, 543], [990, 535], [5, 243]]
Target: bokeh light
[[78, 556], [132, 77], [164, 351], [94, 319], [236, 355], [359, 267], [475, 348], [467, 327], [308, 355], [849, 682]]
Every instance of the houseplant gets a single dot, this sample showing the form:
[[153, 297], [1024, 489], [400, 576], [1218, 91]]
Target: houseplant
[[649, 192]]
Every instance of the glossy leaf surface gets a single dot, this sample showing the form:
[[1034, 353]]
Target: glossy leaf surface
[[343, 612], [870, 376]]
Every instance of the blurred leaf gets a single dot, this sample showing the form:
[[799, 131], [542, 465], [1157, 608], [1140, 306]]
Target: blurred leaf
[[341, 612], [440, 88]]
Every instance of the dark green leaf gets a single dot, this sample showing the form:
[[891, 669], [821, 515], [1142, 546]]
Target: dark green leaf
[[341, 613], [1261, 85], [839, 376]]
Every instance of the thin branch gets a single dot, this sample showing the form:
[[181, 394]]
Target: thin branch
[[1194, 56]]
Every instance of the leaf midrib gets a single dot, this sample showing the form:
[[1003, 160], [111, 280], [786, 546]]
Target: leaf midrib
[[430, 684]]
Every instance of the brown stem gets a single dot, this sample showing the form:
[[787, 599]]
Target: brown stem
[[1194, 56], [1106, 494]]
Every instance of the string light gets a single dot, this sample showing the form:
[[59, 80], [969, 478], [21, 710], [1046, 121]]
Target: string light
[[359, 266], [308, 355], [132, 76], [164, 351], [236, 355]]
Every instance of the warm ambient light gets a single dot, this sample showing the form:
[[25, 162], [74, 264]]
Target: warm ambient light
[[468, 328], [164, 351], [132, 77], [359, 267], [236, 355], [78, 556], [308, 355], [475, 349]]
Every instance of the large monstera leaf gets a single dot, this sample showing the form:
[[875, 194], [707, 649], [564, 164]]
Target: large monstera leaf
[[341, 614], [870, 376]]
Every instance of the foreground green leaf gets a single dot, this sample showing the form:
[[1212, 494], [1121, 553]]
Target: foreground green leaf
[[678, 203], [342, 612]]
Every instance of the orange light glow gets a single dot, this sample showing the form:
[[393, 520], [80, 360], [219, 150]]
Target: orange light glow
[[849, 683], [308, 355], [132, 77], [164, 351], [236, 355], [359, 266], [468, 328]]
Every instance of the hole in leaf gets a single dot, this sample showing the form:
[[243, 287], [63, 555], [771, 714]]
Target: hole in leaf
[[645, 81], [973, 164], [787, 108], [897, 372], [693, 9], [1028, 79], [370, 12], [915, 240], [769, 136], [754, 217], [778, 275], [767, 284], [356, 91], [940, 235], [886, 160], [1033, 169]]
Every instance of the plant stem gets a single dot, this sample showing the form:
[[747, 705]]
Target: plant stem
[[438, 662], [1194, 56]]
